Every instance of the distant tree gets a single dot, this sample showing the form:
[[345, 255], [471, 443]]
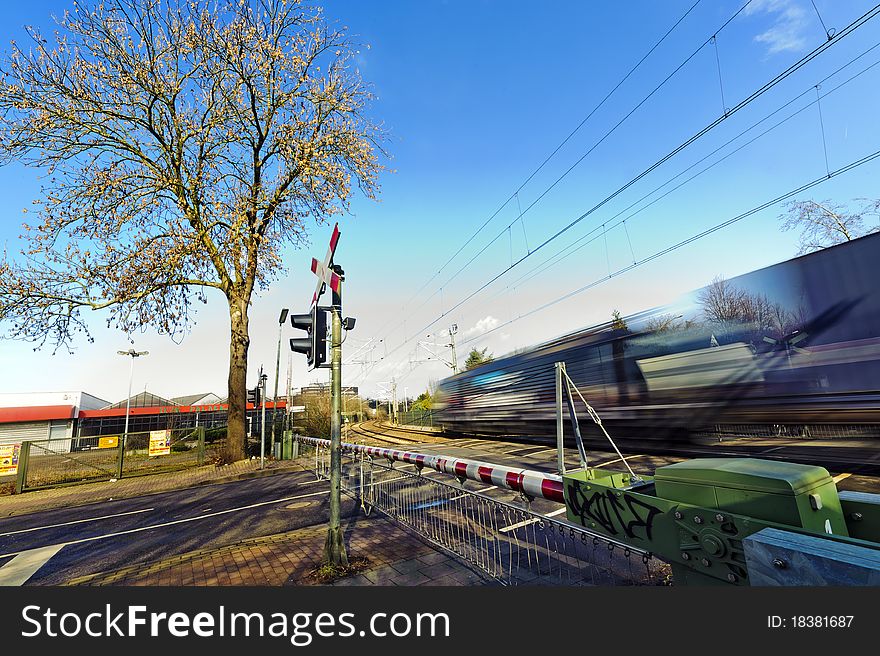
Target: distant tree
[[721, 302], [186, 145], [315, 420], [826, 224], [665, 322], [477, 358], [617, 321], [423, 402]]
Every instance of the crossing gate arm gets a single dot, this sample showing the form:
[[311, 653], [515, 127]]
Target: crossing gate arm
[[533, 484]]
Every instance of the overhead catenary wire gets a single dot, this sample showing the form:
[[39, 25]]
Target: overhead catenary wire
[[715, 228], [543, 267], [849, 29], [515, 194], [579, 243], [588, 152]]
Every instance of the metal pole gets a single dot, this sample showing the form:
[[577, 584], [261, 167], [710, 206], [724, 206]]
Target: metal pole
[[128, 400], [263, 419], [121, 457], [560, 456], [287, 412], [452, 331], [334, 547], [281, 321]]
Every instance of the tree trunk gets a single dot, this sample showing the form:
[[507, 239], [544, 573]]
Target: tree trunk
[[237, 392]]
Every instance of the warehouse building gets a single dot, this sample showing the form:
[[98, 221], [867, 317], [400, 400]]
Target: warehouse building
[[27, 416], [65, 416]]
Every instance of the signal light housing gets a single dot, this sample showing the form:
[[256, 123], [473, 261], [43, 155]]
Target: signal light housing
[[254, 396], [315, 345]]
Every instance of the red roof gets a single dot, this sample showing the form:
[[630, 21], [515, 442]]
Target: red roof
[[167, 409], [49, 412], [35, 413]]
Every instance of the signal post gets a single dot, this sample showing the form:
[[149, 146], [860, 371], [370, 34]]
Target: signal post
[[315, 347], [334, 547]]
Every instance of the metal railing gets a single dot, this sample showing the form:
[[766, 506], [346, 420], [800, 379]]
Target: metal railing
[[420, 418], [507, 541], [798, 431], [47, 463]]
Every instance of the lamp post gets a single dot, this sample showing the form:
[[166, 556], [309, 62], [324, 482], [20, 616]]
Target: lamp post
[[281, 319], [132, 354]]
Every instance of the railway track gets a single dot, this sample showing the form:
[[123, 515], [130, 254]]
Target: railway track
[[374, 432], [863, 458]]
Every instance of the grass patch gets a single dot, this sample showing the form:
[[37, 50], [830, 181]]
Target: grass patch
[[329, 573]]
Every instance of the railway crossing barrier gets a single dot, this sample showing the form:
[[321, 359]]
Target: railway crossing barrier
[[507, 541], [735, 521], [740, 521]]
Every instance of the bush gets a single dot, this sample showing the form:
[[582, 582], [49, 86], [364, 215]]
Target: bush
[[215, 434]]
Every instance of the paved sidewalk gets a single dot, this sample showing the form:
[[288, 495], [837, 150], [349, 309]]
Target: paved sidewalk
[[78, 495], [395, 557]]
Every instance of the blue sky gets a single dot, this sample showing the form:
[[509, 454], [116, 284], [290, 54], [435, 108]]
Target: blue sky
[[475, 95]]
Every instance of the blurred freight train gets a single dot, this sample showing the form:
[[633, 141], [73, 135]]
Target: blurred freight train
[[792, 349]]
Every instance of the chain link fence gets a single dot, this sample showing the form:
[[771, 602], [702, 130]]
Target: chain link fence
[[419, 418], [47, 463], [507, 541], [796, 431]]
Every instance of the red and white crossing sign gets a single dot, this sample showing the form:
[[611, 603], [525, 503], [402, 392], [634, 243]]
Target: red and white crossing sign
[[325, 275], [323, 271]]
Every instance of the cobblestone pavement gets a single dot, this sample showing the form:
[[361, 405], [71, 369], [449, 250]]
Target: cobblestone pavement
[[126, 488], [394, 557]]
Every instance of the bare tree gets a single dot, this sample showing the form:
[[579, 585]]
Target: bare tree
[[665, 322], [186, 143], [720, 301], [825, 224]]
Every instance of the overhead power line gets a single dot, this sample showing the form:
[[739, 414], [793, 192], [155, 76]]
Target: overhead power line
[[719, 226], [557, 149], [584, 240], [571, 168], [849, 29]]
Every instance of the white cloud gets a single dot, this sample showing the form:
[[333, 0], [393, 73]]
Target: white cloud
[[482, 326], [787, 32]]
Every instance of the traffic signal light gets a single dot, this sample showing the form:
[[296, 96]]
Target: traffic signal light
[[254, 396], [315, 345]]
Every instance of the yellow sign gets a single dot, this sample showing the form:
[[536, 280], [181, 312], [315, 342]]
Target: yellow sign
[[160, 443], [9, 458], [108, 442]]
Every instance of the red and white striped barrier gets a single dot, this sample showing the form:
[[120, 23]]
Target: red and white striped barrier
[[531, 483]]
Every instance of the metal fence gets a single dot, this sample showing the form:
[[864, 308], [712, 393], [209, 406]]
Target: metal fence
[[798, 431], [420, 418], [507, 541], [47, 463]]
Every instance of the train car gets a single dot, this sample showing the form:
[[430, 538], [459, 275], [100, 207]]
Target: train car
[[791, 349]]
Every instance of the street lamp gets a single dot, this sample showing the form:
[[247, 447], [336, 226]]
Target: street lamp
[[133, 354], [281, 319]]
